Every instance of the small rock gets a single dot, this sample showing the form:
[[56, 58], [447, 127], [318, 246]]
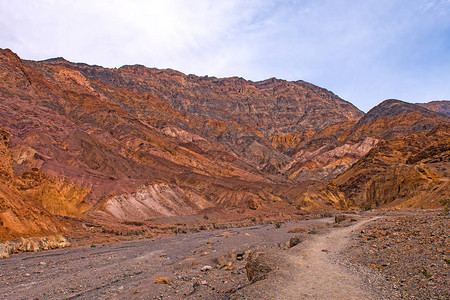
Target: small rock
[[42, 263], [297, 230], [295, 240], [162, 280], [258, 266], [206, 268], [339, 218], [225, 234]]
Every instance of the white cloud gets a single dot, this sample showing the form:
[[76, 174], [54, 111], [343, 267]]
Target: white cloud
[[365, 51]]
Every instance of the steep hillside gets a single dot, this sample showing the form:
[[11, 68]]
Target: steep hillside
[[242, 115], [23, 200], [442, 107], [326, 154], [392, 119], [409, 172], [128, 152], [137, 144]]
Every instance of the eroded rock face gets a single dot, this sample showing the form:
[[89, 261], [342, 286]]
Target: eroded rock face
[[155, 201], [411, 172], [395, 119], [137, 143], [6, 171], [326, 162], [23, 200], [111, 131], [32, 244]]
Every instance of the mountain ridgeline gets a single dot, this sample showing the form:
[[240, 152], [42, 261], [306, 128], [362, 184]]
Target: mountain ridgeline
[[137, 144]]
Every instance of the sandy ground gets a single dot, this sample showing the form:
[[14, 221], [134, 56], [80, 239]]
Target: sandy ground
[[364, 257], [128, 270]]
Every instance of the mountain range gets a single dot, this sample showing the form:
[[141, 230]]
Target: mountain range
[[135, 146]]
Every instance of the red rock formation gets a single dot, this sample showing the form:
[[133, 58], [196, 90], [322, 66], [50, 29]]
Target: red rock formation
[[442, 107], [409, 172], [22, 212], [137, 143]]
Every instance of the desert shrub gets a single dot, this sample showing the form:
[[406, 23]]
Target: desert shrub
[[297, 230], [367, 206], [278, 224]]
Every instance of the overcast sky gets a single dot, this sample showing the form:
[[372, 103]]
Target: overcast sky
[[365, 51]]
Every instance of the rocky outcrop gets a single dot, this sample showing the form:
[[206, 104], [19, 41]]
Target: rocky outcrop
[[156, 201], [139, 143], [32, 245], [26, 201], [6, 171], [327, 162], [411, 172], [394, 119], [258, 266]]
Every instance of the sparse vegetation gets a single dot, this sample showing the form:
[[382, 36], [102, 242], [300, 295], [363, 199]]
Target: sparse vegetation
[[426, 273], [297, 230], [367, 206], [278, 224]]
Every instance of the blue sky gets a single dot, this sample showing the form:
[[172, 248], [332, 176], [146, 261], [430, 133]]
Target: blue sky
[[364, 51]]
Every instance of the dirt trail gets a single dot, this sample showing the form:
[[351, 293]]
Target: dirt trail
[[313, 272]]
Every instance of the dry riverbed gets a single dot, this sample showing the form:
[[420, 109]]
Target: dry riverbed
[[310, 259]]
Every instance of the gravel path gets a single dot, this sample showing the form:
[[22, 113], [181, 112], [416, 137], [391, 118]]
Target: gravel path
[[310, 271]]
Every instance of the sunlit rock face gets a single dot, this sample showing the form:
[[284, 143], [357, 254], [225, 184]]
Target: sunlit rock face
[[408, 172], [139, 143]]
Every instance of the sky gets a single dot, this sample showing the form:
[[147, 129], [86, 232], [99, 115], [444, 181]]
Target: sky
[[363, 51]]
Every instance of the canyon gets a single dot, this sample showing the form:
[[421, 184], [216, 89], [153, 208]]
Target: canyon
[[94, 153]]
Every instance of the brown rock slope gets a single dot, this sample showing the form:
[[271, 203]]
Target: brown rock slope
[[116, 144], [246, 117], [22, 200], [331, 151], [409, 172], [392, 119], [137, 144], [442, 107]]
